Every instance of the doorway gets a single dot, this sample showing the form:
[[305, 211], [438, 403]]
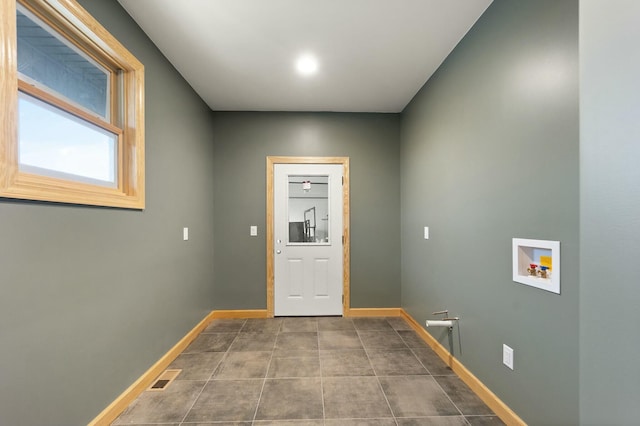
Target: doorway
[[307, 236]]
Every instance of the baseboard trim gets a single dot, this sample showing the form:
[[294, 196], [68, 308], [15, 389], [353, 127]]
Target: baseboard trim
[[373, 312], [109, 414], [246, 313], [484, 393]]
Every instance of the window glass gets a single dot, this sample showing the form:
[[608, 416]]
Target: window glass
[[64, 146], [53, 64], [309, 209]]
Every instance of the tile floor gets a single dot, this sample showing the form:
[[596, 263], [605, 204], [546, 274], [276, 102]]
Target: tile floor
[[310, 371]]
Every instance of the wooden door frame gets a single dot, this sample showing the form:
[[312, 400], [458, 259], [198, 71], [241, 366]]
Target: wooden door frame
[[346, 246]]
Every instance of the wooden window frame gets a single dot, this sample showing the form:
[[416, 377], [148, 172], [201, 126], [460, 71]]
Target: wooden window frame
[[70, 20]]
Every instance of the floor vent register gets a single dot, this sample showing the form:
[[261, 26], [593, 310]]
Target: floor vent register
[[164, 380]]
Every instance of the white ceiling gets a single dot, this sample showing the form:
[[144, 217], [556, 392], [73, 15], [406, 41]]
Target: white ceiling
[[239, 55]]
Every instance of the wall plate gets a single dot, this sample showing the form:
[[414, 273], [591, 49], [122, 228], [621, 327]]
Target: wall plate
[[507, 356]]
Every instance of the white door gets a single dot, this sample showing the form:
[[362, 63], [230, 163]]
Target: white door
[[307, 212]]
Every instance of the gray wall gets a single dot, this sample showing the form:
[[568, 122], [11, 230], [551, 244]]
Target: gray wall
[[92, 297], [489, 151], [610, 212], [242, 143]]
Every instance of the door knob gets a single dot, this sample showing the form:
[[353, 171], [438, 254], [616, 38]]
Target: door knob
[[278, 251]]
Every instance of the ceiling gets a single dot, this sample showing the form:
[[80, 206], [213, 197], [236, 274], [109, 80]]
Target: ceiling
[[239, 55]]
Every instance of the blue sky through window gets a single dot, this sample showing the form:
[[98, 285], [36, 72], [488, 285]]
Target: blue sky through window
[[58, 144]]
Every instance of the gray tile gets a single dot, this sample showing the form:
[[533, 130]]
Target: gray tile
[[167, 406], [484, 421], [243, 365], [214, 424], [225, 326], [335, 324], [295, 354], [345, 363], [269, 325], [197, 366], [305, 341], [215, 342], [149, 424], [340, 339], [371, 323], [292, 355], [290, 399], [462, 396], [433, 421], [412, 339], [361, 422], [398, 323], [253, 342], [287, 423], [226, 400], [381, 340], [416, 396], [294, 367], [299, 325], [354, 397], [432, 362], [400, 362]]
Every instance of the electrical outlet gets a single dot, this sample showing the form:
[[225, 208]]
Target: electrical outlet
[[507, 356]]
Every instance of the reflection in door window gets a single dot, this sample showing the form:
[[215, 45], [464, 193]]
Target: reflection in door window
[[309, 209]]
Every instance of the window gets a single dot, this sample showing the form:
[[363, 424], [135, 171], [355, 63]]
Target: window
[[72, 123]]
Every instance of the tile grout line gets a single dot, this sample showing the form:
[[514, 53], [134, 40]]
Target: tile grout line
[[395, 418], [449, 398], [434, 379], [266, 373], [324, 414], [420, 361], [366, 352], [437, 383], [211, 375]]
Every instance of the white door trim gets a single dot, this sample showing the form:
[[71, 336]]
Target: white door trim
[[346, 274]]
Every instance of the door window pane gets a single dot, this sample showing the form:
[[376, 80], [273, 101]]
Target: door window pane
[[53, 64], [54, 143], [309, 209]]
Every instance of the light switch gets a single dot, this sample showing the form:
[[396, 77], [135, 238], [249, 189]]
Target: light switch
[[253, 231], [507, 356], [185, 234], [426, 232]]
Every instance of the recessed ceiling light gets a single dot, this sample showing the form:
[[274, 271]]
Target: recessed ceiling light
[[307, 64]]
